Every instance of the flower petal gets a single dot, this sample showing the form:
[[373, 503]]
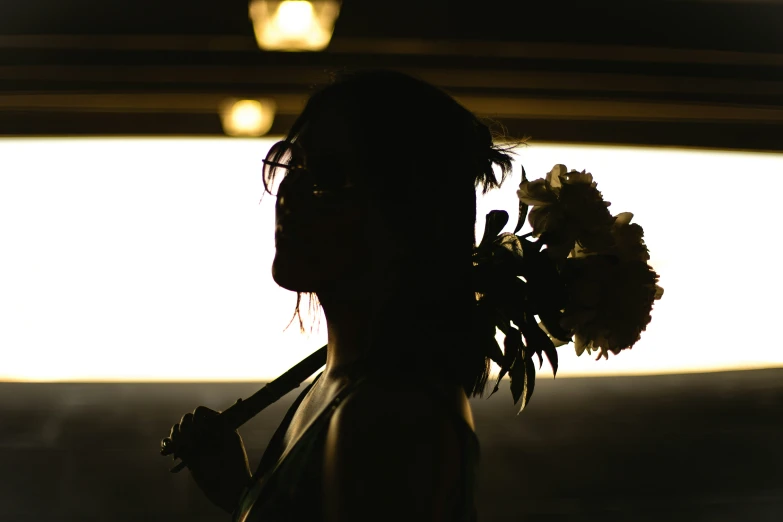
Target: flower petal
[[538, 219], [553, 178], [536, 193], [580, 343], [577, 177], [623, 218]]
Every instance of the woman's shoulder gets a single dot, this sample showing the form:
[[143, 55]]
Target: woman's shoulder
[[406, 442]]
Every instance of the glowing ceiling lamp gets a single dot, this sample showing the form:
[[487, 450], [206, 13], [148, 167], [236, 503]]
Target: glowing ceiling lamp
[[247, 117], [294, 25]]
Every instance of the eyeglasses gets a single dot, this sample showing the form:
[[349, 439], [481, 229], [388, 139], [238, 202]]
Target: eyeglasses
[[286, 167]]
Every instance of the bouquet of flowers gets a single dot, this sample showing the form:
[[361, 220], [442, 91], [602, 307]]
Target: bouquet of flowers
[[581, 275]]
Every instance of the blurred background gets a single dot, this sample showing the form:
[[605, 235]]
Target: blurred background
[[133, 232]]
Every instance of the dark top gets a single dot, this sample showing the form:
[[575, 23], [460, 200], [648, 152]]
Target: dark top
[[288, 486]]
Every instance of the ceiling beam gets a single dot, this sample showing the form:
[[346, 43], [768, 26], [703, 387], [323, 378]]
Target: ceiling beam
[[399, 46]]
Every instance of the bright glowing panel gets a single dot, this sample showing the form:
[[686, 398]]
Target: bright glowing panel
[[149, 259]]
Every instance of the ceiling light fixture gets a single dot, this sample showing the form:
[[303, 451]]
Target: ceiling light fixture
[[294, 25], [247, 117]]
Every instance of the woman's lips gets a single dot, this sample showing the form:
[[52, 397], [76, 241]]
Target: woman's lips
[[281, 238], [286, 231]]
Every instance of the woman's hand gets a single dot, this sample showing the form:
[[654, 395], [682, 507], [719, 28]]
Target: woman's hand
[[215, 457]]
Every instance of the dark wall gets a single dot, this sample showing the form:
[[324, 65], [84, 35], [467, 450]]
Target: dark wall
[[704, 447]]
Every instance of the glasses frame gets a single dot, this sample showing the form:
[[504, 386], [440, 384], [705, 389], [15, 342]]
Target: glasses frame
[[302, 170]]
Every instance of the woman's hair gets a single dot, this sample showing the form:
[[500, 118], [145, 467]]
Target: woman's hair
[[436, 154]]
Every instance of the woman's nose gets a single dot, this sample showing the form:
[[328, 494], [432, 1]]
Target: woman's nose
[[290, 182], [296, 186]]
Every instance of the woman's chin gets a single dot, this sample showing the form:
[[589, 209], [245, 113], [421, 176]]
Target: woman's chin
[[288, 277]]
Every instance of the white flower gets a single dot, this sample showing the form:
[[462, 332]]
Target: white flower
[[609, 302], [628, 238], [541, 192], [568, 210]]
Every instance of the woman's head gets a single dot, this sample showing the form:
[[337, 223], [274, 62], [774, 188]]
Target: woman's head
[[390, 151], [383, 188], [321, 209]]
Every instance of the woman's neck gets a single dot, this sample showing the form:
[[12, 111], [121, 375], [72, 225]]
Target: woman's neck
[[348, 320], [397, 314]]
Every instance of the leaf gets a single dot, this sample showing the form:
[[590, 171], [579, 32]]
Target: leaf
[[503, 372], [484, 328], [530, 383], [493, 351], [551, 325], [501, 322], [523, 380], [509, 242], [517, 375], [522, 208], [538, 341], [551, 355], [496, 220], [530, 248], [513, 346], [546, 287], [522, 216]]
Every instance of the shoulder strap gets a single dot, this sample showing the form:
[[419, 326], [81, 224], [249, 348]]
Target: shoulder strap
[[275, 447]]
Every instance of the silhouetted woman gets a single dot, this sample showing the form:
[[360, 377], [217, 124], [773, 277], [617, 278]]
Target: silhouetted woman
[[376, 207]]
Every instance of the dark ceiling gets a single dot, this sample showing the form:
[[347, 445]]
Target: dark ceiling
[[688, 73]]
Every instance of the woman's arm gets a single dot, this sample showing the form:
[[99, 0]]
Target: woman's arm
[[391, 456]]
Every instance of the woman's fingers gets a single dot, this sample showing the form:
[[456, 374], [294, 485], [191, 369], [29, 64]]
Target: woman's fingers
[[166, 446], [192, 431], [205, 422], [202, 414], [179, 441], [186, 423], [174, 433]]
